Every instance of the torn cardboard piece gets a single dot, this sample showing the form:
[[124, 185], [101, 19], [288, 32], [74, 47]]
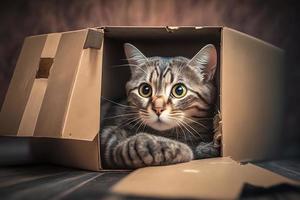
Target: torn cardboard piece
[[216, 178]]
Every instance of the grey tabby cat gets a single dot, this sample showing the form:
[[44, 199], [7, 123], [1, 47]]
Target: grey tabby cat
[[167, 117]]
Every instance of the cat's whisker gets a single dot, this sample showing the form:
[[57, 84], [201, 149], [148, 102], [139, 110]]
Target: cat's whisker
[[176, 133], [116, 116], [137, 60], [122, 65], [176, 112], [136, 123], [180, 126], [191, 134], [202, 118], [198, 134], [187, 125], [145, 125], [141, 123], [143, 111], [129, 121], [184, 135], [192, 129], [130, 65], [176, 115], [184, 124], [199, 123], [145, 115], [116, 103], [125, 65], [142, 70]]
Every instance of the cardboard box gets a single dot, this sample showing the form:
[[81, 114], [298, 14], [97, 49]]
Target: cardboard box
[[55, 92]]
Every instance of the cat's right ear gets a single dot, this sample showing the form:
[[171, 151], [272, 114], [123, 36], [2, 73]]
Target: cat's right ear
[[134, 56], [205, 62]]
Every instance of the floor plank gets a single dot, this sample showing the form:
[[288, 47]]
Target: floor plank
[[287, 168], [97, 188], [45, 187], [16, 175]]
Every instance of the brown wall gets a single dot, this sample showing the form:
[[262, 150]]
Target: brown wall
[[273, 21]]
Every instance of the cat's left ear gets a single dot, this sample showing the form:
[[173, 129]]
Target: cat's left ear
[[205, 61], [133, 55]]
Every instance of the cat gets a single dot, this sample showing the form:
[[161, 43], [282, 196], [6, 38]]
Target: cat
[[167, 117]]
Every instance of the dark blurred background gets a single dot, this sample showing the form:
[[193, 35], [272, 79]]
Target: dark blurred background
[[273, 21]]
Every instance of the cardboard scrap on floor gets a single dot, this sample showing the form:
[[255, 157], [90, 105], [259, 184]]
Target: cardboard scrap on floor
[[209, 179]]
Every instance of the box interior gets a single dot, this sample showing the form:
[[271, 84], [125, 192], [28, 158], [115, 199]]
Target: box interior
[[186, 41]]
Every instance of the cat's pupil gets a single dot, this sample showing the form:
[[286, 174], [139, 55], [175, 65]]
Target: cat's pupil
[[179, 90], [146, 89]]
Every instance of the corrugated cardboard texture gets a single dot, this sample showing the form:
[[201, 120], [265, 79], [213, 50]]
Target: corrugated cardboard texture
[[251, 97], [217, 178]]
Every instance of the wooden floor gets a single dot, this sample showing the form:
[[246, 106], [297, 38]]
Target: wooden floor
[[54, 182]]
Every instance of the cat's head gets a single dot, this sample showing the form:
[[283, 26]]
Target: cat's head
[[167, 92]]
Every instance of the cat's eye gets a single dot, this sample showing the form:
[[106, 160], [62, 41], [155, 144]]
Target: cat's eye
[[145, 90], [179, 90]]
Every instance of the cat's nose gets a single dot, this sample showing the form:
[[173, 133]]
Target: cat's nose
[[158, 110], [158, 105]]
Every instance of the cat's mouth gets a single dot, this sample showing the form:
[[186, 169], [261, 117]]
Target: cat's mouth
[[160, 123], [159, 120]]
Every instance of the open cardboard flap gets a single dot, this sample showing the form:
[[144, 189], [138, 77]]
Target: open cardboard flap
[[209, 179], [54, 92]]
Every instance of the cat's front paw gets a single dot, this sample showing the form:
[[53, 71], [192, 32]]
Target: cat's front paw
[[207, 150], [148, 150], [174, 152]]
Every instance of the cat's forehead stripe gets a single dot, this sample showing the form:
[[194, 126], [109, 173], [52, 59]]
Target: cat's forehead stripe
[[168, 75], [151, 77]]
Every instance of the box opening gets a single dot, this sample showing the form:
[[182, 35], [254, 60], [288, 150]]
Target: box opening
[[186, 41]]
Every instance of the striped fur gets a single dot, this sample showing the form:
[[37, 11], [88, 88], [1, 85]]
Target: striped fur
[[162, 129]]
